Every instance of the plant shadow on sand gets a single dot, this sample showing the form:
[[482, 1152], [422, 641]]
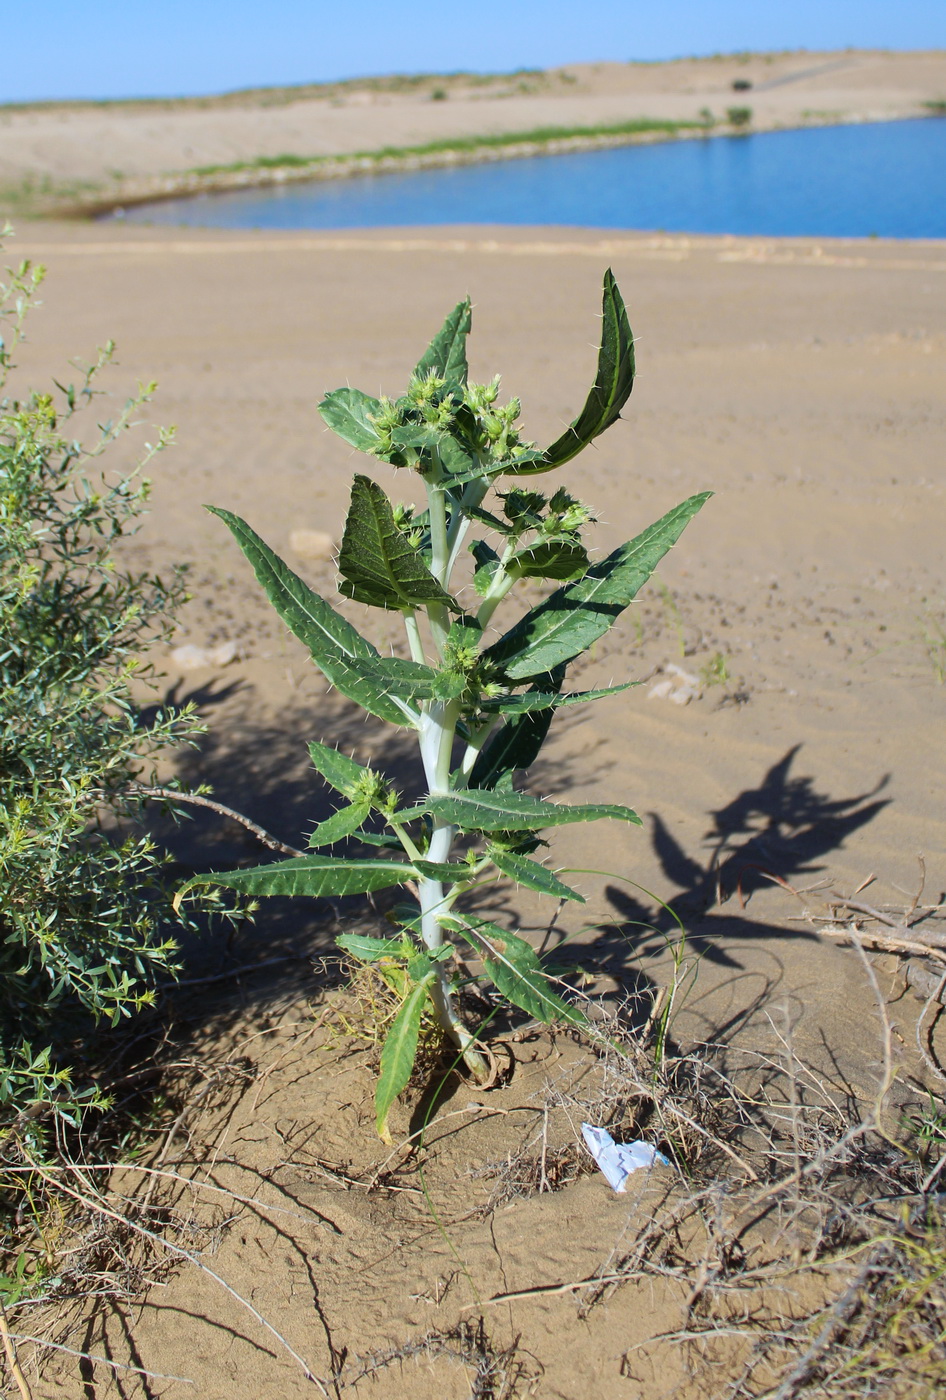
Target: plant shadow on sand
[[768, 835]]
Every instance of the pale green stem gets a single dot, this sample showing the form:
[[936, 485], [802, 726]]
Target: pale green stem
[[439, 560], [500, 586], [475, 745], [414, 639]]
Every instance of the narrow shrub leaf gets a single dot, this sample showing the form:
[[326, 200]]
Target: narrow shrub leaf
[[399, 1053], [349, 413], [378, 564], [445, 356], [514, 969], [530, 873], [612, 387], [313, 875], [576, 615]]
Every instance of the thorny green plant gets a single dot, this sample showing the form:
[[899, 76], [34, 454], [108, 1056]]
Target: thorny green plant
[[480, 709]]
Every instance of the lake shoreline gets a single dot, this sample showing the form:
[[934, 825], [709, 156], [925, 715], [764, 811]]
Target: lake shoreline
[[468, 151]]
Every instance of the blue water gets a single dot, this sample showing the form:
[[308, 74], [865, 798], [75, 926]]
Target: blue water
[[887, 179]]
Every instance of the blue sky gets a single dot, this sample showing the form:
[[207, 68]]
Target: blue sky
[[113, 48]]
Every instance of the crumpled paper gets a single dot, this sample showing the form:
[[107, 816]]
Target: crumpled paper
[[618, 1160]]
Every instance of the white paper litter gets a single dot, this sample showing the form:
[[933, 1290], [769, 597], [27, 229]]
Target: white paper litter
[[618, 1160]]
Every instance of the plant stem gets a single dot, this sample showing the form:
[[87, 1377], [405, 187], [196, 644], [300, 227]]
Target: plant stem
[[438, 731]]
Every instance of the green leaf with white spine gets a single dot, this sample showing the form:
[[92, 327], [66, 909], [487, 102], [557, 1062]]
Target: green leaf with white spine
[[369, 950], [341, 772], [377, 561], [317, 876], [546, 699], [445, 356], [576, 615], [399, 1053], [345, 658], [514, 969], [350, 414], [530, 873], [483, 809], [614, 381], [555, 559], [345, 822], [439, 870], [515, 746]]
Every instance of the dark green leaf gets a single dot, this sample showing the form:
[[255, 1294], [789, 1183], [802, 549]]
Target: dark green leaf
[[612, 387], [377, 561], [558, 559], [486, 810], [577, 614], [515, 746], [445, 356], [399, 1053], [531, 873], [349, 413], [314, 875], [344, 822], [513, 967], [346, 658]]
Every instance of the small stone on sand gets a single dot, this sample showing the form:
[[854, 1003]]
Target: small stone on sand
[[193, 658]]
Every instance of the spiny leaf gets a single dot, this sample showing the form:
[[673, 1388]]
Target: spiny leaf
[[545, 699], [350, 414], [530, 873], [513, 967], [438, 870], [343, 773], [368, 950], [378, 563], [485, 810], [515, 746], [346, 658], [344, 822], [557, 559], [313, 875], [577, 614], [612, 387], [399, 1053], [445, 356]]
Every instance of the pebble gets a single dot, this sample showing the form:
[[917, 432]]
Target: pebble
[[193, 658], [678, 685]]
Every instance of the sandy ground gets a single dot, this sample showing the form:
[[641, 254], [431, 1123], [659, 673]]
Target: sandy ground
[[804, 384], [107, 144]]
